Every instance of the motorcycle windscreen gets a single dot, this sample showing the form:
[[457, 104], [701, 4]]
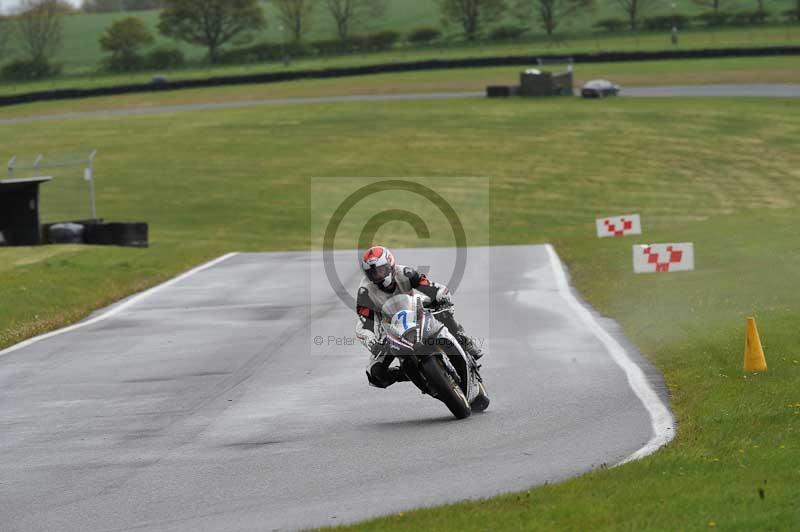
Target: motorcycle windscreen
[[399, 318], [397, 303]]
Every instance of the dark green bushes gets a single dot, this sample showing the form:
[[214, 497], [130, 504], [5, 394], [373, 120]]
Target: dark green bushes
[[665, 22], [270, 51], [164, 59], [507, 33], [712, 19], [29, 70], [381, 41], [792, 15], [612, 25], [749, 17], [424, 36]]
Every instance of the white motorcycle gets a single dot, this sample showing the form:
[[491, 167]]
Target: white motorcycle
[[431, 357]]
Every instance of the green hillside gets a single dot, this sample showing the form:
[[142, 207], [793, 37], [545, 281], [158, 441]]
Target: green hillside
[[81, 53]]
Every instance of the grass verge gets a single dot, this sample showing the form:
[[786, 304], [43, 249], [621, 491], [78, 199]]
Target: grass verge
[[723, 174]]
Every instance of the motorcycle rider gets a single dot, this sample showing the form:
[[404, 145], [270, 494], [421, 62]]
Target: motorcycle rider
[[384, 279]]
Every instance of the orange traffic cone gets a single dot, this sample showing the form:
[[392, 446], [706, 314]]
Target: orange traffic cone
[[753, 353]]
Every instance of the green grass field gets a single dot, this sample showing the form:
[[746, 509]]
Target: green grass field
[[724, 174], [80, 54]]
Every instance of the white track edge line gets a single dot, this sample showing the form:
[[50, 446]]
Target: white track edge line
[[661, 419], [119, 308]]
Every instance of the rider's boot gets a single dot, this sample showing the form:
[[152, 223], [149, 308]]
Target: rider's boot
[[469, 345], [457, 330]]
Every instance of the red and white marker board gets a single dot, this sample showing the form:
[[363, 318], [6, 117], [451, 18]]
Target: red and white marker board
[[651, 258], [627, 224]]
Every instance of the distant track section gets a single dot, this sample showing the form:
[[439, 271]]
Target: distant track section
[[785, 90], [386, 68]]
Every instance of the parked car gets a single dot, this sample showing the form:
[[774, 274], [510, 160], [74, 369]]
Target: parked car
[[599, 88]]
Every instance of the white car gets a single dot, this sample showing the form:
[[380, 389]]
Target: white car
[[599, 88]]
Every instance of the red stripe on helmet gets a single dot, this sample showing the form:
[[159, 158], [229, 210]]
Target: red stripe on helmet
[[374, 253]]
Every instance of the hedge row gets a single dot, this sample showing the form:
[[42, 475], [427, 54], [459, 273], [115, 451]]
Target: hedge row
[[386, 40], [267, 51], [710, 19], [157, 59], [375, 42], [29, 70], [434, 64]]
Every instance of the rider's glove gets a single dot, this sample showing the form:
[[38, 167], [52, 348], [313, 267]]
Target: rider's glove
[[443, 297], [377, 348]]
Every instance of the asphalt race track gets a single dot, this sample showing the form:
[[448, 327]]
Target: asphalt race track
[[204, 405], [759, 90], [786, 90]]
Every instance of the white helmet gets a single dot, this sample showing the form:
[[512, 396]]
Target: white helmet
[[379, 266]]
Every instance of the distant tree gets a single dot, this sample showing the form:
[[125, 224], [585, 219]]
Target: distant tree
[[471, 15], [550, 13], [142, 5], [295, 15], [102, 6], [4, 31], [634, 9], [39, 28], [714, 5], [64, 6], [210, 23], [113, 6], [793, 14], [122, 40], [349, 14]]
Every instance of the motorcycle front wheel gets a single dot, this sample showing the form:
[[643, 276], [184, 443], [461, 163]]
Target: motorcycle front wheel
[[445, 386]]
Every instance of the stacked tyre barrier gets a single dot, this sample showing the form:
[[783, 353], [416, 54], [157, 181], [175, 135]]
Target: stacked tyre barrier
[[500, 91], [98, 233]]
